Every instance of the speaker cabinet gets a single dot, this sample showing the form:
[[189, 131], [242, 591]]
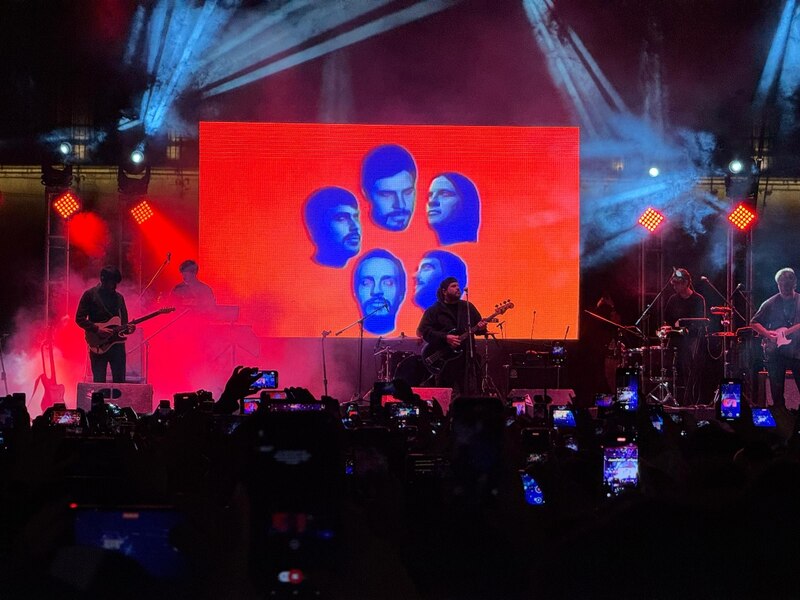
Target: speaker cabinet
[[139, 396]]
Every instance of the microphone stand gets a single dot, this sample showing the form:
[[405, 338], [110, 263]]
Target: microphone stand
[[154, 277], [325, 333], [470, 356], [727, 324], [360, 323], [649, 306]]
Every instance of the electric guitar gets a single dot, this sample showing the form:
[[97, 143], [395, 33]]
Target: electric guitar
[[435, 357], [100, 341], [53, 391], [782, 339]]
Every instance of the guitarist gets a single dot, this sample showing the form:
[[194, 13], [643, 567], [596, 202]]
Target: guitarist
[[440, 327], [97, 305], [778, 322]]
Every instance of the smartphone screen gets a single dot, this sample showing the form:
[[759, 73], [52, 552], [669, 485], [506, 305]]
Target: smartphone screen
[[562, 416], [250, 405], [604, 400], [143, 534], [730, 399], [628, 386], [763, 418], [267, 380], [620, 468], [533, 493], [65, 417]]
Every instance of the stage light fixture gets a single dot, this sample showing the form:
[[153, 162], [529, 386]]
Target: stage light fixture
[[735, 166], [651, 219], [742, 217], [66, 205], [654, 172], [142, 212], [137, 157], [65, 149]]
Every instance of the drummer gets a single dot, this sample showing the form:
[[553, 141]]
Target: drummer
[[681, 310]]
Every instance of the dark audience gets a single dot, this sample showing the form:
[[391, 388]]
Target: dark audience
[[284, 495]]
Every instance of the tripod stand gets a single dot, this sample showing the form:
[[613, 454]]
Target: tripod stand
[[488, 387]]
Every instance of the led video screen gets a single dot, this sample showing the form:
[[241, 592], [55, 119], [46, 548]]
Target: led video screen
[[310, 227]]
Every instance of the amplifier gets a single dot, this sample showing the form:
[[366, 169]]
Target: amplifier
[[139, 396], [532, 376], [554, 396]]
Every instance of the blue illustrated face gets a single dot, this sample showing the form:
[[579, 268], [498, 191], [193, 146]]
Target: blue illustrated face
[[379, 288], [393, 200], [444, 201], [344, 228], [334, 225], [427, 278]]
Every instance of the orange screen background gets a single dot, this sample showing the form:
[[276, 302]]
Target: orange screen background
[[255, 252]]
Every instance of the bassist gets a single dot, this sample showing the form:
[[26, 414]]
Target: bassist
[[778, 323], [98, 305], [440, 327]]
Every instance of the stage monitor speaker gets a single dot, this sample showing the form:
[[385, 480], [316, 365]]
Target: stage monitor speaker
[[441, 395], [558, 397], [790, 392], [139, 396]]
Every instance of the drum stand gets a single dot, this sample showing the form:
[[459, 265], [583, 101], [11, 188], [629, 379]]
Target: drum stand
[[661, 393]]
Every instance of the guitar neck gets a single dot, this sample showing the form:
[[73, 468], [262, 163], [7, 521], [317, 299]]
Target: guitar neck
[[146, 317]]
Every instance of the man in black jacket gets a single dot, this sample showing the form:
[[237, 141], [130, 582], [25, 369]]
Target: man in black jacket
[[97, 306], [444, 327]]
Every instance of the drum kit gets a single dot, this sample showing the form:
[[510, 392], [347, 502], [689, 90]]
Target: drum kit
[[399, 364]]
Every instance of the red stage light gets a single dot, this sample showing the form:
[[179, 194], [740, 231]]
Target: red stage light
[[141, 212], [651, 219], [66, 205], [742, 217]]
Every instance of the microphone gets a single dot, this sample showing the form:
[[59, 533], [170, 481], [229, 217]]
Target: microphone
[[325, 333], [566, 332], [703, 278], [736, 289]]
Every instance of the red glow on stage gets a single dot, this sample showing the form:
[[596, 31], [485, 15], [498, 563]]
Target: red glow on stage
[[66, 205], [142, 212], [651, 219], [742, 217], [90, 233]]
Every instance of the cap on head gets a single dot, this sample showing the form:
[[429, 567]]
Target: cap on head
[[681, 275], [444, 285], [186, 265]]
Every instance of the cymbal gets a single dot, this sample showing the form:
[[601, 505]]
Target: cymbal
[[723, 334], [720, 310]]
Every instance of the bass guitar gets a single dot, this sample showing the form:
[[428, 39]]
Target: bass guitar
[[114, 332], [436, 358]]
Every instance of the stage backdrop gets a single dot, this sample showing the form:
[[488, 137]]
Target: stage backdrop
[[285, 223]]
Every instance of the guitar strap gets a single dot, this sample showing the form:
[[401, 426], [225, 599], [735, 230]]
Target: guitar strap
[[105, 308]]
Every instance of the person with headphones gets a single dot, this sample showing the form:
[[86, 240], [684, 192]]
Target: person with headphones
[[101, 314], [686, 310]]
